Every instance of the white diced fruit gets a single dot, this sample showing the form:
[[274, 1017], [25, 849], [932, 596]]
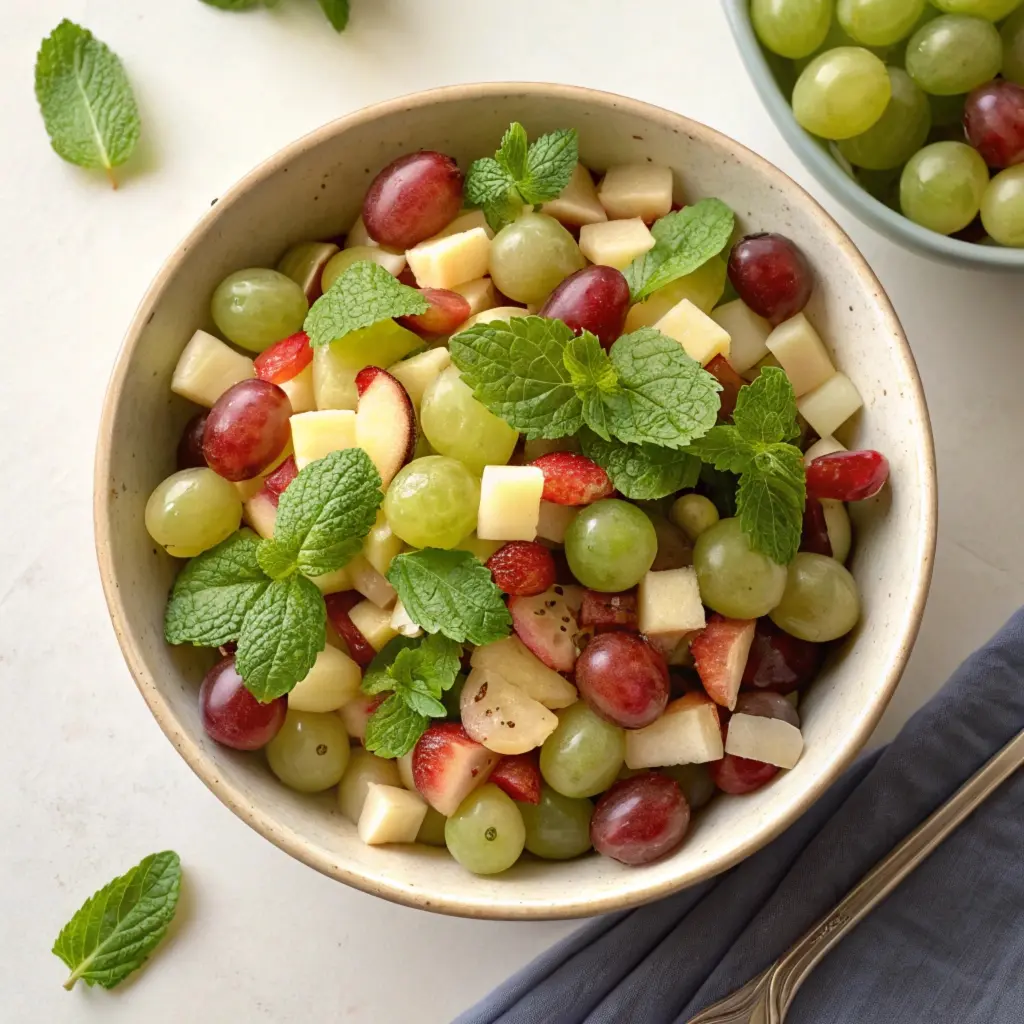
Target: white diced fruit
[[513, 660], [490, 315], [554, 520], [688, 732], [830, 405], [381, 544], [261, 514], [207, 368], [332, 681], [363, 769], [636, 190], [509, 502], [419, 372], [823, 446], [454, 259], [577, 204], [748, 333], [316, 434], [465, 222], [615, 243], [501, 716], [402, 623], [480, 294], [763, 739], [390, 815], [358, 235], [374, 623], [669, 605], [370, 583], [801, 353], [333, 582], [702, 339], [300, 391]]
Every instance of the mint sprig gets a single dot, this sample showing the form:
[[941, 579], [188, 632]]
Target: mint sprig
[[337, 12], [642, 472]]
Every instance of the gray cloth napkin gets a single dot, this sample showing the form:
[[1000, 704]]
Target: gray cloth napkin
[[947, 947]]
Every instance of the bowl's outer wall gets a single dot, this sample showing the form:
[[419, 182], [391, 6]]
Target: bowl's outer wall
[[313, 190]]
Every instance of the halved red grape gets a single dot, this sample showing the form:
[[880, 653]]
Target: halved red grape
[[284, 359], [780, 662], [731, 382], [232, 715], [190, 447], [624, 679], [594, 299], [847, 476], [448, 310], [739, 775], [994, 122], [771, 275], [815, 531], [640, 819], [247, 429]]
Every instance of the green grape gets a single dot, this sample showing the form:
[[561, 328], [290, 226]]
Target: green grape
[[311, 751], [431, 832], [341, 261], [791, 28], [879, 22], [459, 426], [898, 134], [254, 308], [735, 580], [1002, 207], [486, 834], [584, 754], [433, 502], [821, 601], [990, 10], [191, 511], [953, 54], [836, 37], [558, 828], [841, 93], [532, 256], [693, 514], [1012, 33], [610, 545], [942, 185]]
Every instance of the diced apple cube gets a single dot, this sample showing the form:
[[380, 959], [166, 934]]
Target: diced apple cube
[[554, 520], [381, 544], [405, 771], [480, 294], [830, 405], [370, 583], [748, 333], [509, 502], [402, 623], [332, 681], [636, 190], [577, 204], [615, 243], [454, 259], [207, 368], [764, 739], [358, 235], [702, 339], [512, 659], [316, 434], [374, 623], [801, 353], [390, 815], [333, 582], [300, 391], [687, 733], [363, 769], [465, 222], [669, 605], [261, 514], [823, 446], [417, 373]]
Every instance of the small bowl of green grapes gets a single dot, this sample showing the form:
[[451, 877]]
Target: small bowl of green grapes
[[910, 112]]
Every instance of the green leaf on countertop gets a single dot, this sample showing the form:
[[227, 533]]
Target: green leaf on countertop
[[337, 12]]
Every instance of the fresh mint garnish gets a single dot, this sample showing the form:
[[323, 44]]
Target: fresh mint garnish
[[393, 729], [684, 241], [86, 100], [337, 12], [112, 934], [642, 472], [362, 296]]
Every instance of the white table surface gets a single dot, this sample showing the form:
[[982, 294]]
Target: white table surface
[[89, 784]]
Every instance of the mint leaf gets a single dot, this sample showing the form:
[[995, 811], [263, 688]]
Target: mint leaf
[[393, 729], [112, 934], [511, 155], [724, 448], [364, 295], [517, 370], [766, 408], [277, 562], [282, 634], [214, 592], [423, 673], [684, 241], [234, 5], [770, 501], [86, 99], [337, 12], [487, 182], [642, 472], [593, 377], [377, 677], [324, 515], [550, 163], [450, 592], [720, 486]]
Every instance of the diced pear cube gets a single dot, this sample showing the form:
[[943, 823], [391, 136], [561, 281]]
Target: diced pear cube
[[514, 661], [837, 525], [402, 622], [358, 235], [669, 605], [332, 681], [554, 520], [480, 294], [748, 332], [636, 190], [390, 815], [419, 372], [260, 513], [801, 353], [509, 502], [454, 259], [374, 623], [823, 446], [465, 222], [577, 204], [615, 243], [370, 583], [830, 405], [494, 313], [207, 368], [333, 582], [381, 544], [688, 732], [762, 739], [702, 339], [300, 391], [316, 434]]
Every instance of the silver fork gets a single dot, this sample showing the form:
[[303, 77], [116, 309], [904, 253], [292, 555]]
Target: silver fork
[[767, 998]]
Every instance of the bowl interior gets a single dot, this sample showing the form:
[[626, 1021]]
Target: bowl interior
[[313, 189]]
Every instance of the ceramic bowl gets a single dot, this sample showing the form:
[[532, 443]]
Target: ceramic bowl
[[816, 157], [314, 189]]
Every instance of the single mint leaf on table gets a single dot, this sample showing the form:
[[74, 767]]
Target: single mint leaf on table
[[766, 408], [337, 12], [114, 931], [770, 502], [642, 472], [214, 592], [362, 296], [393, 729], [550, 163], [512, 153], [86, 99]]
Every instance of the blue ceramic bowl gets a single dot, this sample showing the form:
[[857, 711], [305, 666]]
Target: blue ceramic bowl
[[819, 161]]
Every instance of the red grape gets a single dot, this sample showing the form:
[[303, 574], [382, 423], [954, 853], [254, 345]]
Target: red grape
[[284, 359], [994, 122], [739, 775], [731, 382], [765, 704], [447, 311], [624, 679], [608, 612], [277, 482], [780, 662], [232, 715], [247, 429], [640, 819], [815, 531], [594, 299], [413, 198], [847, 476], [190, 447], [771, 275]]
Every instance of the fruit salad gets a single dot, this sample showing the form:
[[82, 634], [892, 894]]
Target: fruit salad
[[517, 514]]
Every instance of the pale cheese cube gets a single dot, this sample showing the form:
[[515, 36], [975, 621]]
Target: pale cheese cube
[[390, 815], [402, 622], [207, 368], [465, 222], [761, 739], [615, 243], [554, 520], [636, 190], [374, 623], [332, 681], [509, 502], [370, 583], [577, 204], [830, 405], [480, 294], [454, 259], [688, 732], [669, 605], [419, 372], [801, 353], [300, 391], [823, 446], [748, 333], [702, 339], [316, 434], [333, 582]]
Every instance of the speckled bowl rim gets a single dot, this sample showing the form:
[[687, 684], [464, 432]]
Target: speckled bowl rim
[[288, 840]]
